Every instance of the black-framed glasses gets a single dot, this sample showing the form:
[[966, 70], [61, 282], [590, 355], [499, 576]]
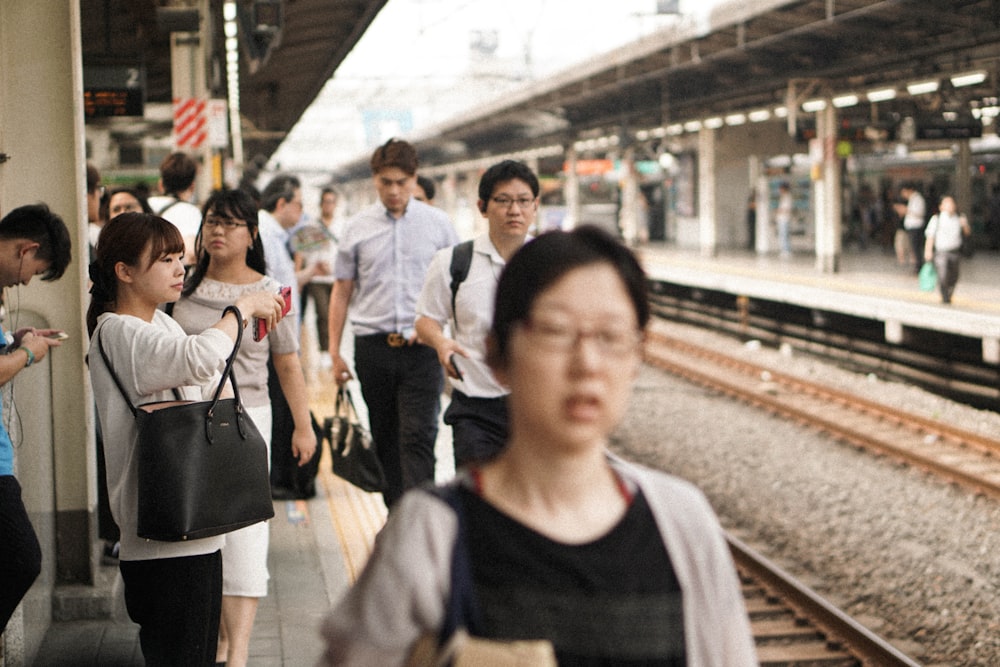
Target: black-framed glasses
[[507, 202], [222, 221]]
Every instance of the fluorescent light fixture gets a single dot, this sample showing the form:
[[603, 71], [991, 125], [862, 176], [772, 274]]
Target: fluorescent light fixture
[[229, 11], [692, 125], [713, 123], [968, 79], [814, 105], [736, 119], [759, 116], [642, 135], [922, 87], [881, 94], [658, 132], [675, 129], [845, 101], [780, 112]]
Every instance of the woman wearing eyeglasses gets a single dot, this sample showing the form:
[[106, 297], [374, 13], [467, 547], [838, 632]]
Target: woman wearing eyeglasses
[[555, 539], [231, 263]]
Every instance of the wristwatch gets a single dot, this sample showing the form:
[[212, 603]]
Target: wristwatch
[[31, 356]]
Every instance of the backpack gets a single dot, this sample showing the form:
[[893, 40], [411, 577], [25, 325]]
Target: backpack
[[461, 259]]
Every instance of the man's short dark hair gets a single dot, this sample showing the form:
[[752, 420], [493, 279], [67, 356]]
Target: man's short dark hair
[[36, 223], [427, 185], [395, 153], [502, 172], [177, 171], [328, 191], [282, 186], [93, 178]]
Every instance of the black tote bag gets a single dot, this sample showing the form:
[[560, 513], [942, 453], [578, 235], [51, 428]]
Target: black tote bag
[[202, 465], [352, 451]]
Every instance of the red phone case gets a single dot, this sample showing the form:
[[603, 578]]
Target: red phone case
[[260, 326]]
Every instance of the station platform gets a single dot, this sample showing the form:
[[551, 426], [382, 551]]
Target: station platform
[[868, 284], [318, 548]]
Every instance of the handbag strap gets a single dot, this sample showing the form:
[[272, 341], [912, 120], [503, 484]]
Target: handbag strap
[[227, 373], [462, 610]]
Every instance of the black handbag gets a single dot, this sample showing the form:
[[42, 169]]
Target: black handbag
[[202, 465], [351, 447]]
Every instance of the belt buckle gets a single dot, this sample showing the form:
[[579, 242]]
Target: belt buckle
[[395, 340]]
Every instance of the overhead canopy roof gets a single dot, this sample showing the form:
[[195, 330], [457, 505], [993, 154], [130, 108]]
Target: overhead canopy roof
[[280, 74], [743, 57]]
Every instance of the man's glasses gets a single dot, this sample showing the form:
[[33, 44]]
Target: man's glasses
[[228, 224], [507, 202]]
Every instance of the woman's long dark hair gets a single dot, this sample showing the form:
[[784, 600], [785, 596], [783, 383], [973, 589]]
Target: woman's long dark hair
[[124, 239], [234, 204]]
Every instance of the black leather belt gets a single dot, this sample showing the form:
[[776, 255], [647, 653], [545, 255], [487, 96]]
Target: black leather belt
[[393, 339]]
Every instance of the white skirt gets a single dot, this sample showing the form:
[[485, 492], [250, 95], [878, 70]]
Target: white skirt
[[244, 554]]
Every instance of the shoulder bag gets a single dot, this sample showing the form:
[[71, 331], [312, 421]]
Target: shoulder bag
[[351, 447], [202, 465], [456, 645]]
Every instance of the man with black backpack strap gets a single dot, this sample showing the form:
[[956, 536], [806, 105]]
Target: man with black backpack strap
[[177, 182], [459, 291]]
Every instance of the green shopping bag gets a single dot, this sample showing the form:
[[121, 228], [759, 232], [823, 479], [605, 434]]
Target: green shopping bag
[[928, 277]]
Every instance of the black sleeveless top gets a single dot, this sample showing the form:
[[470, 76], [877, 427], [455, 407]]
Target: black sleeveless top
[[614, 601]]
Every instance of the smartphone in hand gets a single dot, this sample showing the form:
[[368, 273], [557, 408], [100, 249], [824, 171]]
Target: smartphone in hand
[[454, 367], [260, 326]]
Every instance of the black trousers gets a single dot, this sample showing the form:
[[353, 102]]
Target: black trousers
[[20, 554], [917, 245], [478, 427], [177, 603], [402, 388]]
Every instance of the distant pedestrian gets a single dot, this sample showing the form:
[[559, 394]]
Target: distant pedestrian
[[425, 190], [314, 247], [943, 244], [381, 265], [178, 172], [477, 414], [913, 222], [783, 218]]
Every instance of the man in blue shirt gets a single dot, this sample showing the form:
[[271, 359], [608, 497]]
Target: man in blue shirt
[[33, 242], [381, 262]]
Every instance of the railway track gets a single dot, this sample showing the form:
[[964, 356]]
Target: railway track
[[794, 626], [960, 456]]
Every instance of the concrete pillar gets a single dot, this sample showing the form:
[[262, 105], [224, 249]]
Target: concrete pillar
[[963, 180], [571, 190], [707, 223], [41, 104], [188, 65], [628, 214], [827, 193]]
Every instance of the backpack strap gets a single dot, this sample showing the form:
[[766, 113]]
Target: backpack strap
[[461, 260], [169, 205]]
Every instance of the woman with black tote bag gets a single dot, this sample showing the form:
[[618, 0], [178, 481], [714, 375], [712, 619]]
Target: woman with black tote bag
[[173, 590]]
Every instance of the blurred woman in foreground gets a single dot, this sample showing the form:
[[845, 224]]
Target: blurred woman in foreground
[[612, 563]]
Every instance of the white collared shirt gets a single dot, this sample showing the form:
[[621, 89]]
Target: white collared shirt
[[474, 304]]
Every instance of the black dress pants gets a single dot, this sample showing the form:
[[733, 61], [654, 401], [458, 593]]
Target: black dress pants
[[402, 389], [20, 554]]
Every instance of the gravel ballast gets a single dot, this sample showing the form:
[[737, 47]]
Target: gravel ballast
[[914, 558]]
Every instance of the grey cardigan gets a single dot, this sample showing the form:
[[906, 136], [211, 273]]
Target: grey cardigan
[[402, 592]]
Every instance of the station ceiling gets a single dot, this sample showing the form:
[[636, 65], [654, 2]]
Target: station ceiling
[[747, 56], [281, 72]]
